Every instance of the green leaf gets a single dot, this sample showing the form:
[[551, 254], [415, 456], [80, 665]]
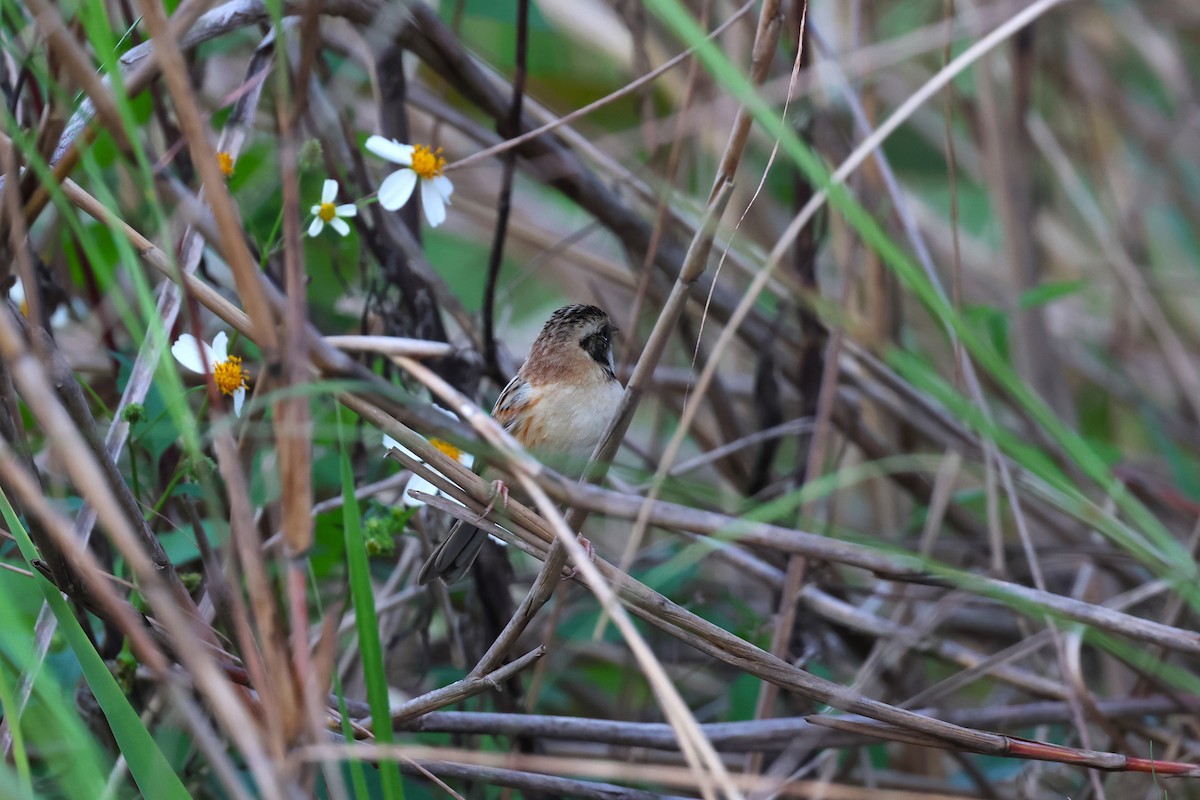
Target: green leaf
[[1047, 293]]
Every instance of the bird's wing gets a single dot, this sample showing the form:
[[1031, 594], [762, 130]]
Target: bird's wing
[[515, 410], [510, 401]]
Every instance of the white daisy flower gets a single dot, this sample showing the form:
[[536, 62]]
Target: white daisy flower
[[416, 482], [420, 164], [227, 371], [327, 212], [16, 294]]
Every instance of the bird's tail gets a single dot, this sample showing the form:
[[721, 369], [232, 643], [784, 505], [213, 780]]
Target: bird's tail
[[451, 559]]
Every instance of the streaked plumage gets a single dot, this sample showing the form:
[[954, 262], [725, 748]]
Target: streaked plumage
[[557, 407]]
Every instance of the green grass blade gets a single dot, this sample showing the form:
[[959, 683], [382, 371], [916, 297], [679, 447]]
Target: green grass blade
[[19, 755], [369, 646], [147, 764], [358, 775], [13, 786]]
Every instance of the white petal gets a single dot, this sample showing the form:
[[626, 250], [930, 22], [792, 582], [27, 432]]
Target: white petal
[[314, 210], [239, 399], [17, 293], [445, 411], [60, 317], [466, 459], [397, 188], [340, 225], [391, 443], [220, 347], [444, 186], [391, 150], [192, 353], [329, 190], [316, 227], [434, 205], [421, 485], [348, 210]]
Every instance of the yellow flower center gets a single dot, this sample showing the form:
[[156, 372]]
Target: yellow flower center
[[25, 309], [447, 448], [427, 163], [225, 162], [229, 375], [327, 212]]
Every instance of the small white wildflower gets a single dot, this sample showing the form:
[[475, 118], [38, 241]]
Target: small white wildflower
[[227, 371], [16, 294], [416, 482], [327, 212], [419, 163]]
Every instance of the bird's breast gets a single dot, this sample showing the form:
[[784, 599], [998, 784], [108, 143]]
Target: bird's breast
[[567, 420]]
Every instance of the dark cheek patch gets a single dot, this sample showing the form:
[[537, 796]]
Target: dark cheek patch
[[595, 347]]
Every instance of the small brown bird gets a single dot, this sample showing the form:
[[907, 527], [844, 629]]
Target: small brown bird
[[557, 407]]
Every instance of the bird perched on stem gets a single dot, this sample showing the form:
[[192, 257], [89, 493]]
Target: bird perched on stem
[[557, 407]]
